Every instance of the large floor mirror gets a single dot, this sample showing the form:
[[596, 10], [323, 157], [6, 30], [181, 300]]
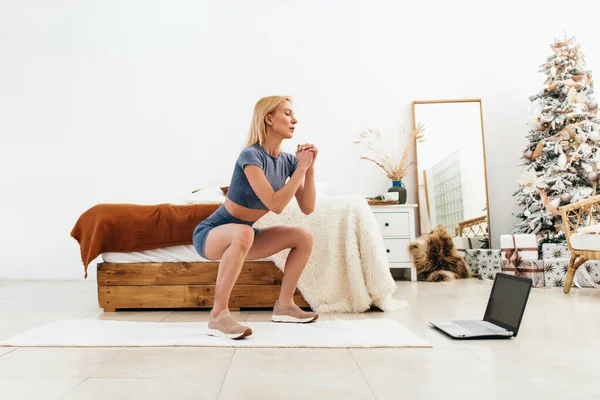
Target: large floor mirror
[[451, 168]]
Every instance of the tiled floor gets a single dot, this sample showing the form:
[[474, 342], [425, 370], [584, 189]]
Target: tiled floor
[[555, 356]]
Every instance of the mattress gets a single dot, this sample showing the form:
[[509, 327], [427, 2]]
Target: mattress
[[166, 254]]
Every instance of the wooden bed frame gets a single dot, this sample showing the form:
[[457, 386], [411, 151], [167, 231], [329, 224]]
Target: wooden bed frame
[[186, 285]]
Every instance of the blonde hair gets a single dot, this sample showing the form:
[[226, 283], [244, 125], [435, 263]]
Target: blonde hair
[[258, 129]]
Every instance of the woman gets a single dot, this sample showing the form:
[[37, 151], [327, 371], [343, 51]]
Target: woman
[[258, 186]]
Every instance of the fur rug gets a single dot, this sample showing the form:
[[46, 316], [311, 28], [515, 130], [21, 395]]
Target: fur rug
[[348, 270], [436, 258]]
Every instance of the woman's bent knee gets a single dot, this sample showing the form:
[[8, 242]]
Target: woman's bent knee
[[223, 237], [244, 237], [304, 237]]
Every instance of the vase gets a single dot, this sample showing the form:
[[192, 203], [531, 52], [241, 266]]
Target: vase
[[398, 186]]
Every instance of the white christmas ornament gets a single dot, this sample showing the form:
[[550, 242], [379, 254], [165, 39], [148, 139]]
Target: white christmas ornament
[[562, 161], [534, 123], [528, 178], [594, 136]]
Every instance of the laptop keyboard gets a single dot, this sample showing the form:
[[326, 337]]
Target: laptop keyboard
[[477, 326]]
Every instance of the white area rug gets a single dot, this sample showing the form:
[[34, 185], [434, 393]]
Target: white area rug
[[107, 333]]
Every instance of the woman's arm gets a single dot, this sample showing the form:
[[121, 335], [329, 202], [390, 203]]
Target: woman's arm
[[276, 201], [306, 194]]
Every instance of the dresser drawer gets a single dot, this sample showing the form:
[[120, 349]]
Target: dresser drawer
[[397, 250], [393, 224]]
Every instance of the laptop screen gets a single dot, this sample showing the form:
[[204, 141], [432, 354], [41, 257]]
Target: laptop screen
[[507, 301]]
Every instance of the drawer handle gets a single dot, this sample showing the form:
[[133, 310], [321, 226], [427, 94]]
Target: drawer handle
[[388, 250], [387, 224]]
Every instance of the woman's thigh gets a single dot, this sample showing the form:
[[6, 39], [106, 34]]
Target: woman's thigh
[[273, 239], [221, 237]]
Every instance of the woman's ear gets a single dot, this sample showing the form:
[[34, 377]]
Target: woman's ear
[[268, 119]]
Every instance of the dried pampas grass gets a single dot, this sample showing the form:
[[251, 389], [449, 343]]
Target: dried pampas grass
[[373, 141]]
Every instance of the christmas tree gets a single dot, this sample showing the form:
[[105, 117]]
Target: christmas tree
[[562, 158]]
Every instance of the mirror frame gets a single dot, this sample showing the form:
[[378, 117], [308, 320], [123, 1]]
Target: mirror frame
[[416, 159]]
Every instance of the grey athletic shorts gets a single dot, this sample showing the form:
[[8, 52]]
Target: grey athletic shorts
[[220, 217]]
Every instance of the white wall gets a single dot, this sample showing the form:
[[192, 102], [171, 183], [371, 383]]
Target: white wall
[[143, 101]]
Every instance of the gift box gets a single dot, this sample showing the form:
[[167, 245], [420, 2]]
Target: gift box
[[532, 269], [523, 244], [520, 257], [555, 251], [483, 262], [588, 275], [556, 257]]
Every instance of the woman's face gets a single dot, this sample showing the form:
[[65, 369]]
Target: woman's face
[[282, 121]]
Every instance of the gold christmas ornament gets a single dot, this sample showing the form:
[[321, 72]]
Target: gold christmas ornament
[[565, 197]]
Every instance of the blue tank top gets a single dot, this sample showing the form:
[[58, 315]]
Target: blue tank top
[[276, 169]]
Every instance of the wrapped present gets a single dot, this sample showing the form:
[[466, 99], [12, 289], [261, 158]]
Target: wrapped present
[[483, 262], [555, 272], [532, 269], [588, 275], [464, 243], [520, 258], [524, 244], [556, 263], [555, 251]]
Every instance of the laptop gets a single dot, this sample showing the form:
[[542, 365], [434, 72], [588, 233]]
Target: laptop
[[503, 313]]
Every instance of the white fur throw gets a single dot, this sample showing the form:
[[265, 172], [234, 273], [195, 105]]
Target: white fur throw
[[348, 269]]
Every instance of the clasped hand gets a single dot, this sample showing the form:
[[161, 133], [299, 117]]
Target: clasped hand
[[306, 154]]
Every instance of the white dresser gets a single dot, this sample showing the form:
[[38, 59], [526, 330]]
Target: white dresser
[[397, 226]]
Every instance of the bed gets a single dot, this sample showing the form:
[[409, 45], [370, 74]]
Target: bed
[[148, 261]]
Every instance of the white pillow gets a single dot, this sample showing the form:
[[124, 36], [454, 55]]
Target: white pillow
[[593, 229], [209, 195]]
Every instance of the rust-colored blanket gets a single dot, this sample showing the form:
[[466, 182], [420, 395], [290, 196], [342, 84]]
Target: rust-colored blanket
[[132, 227]]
